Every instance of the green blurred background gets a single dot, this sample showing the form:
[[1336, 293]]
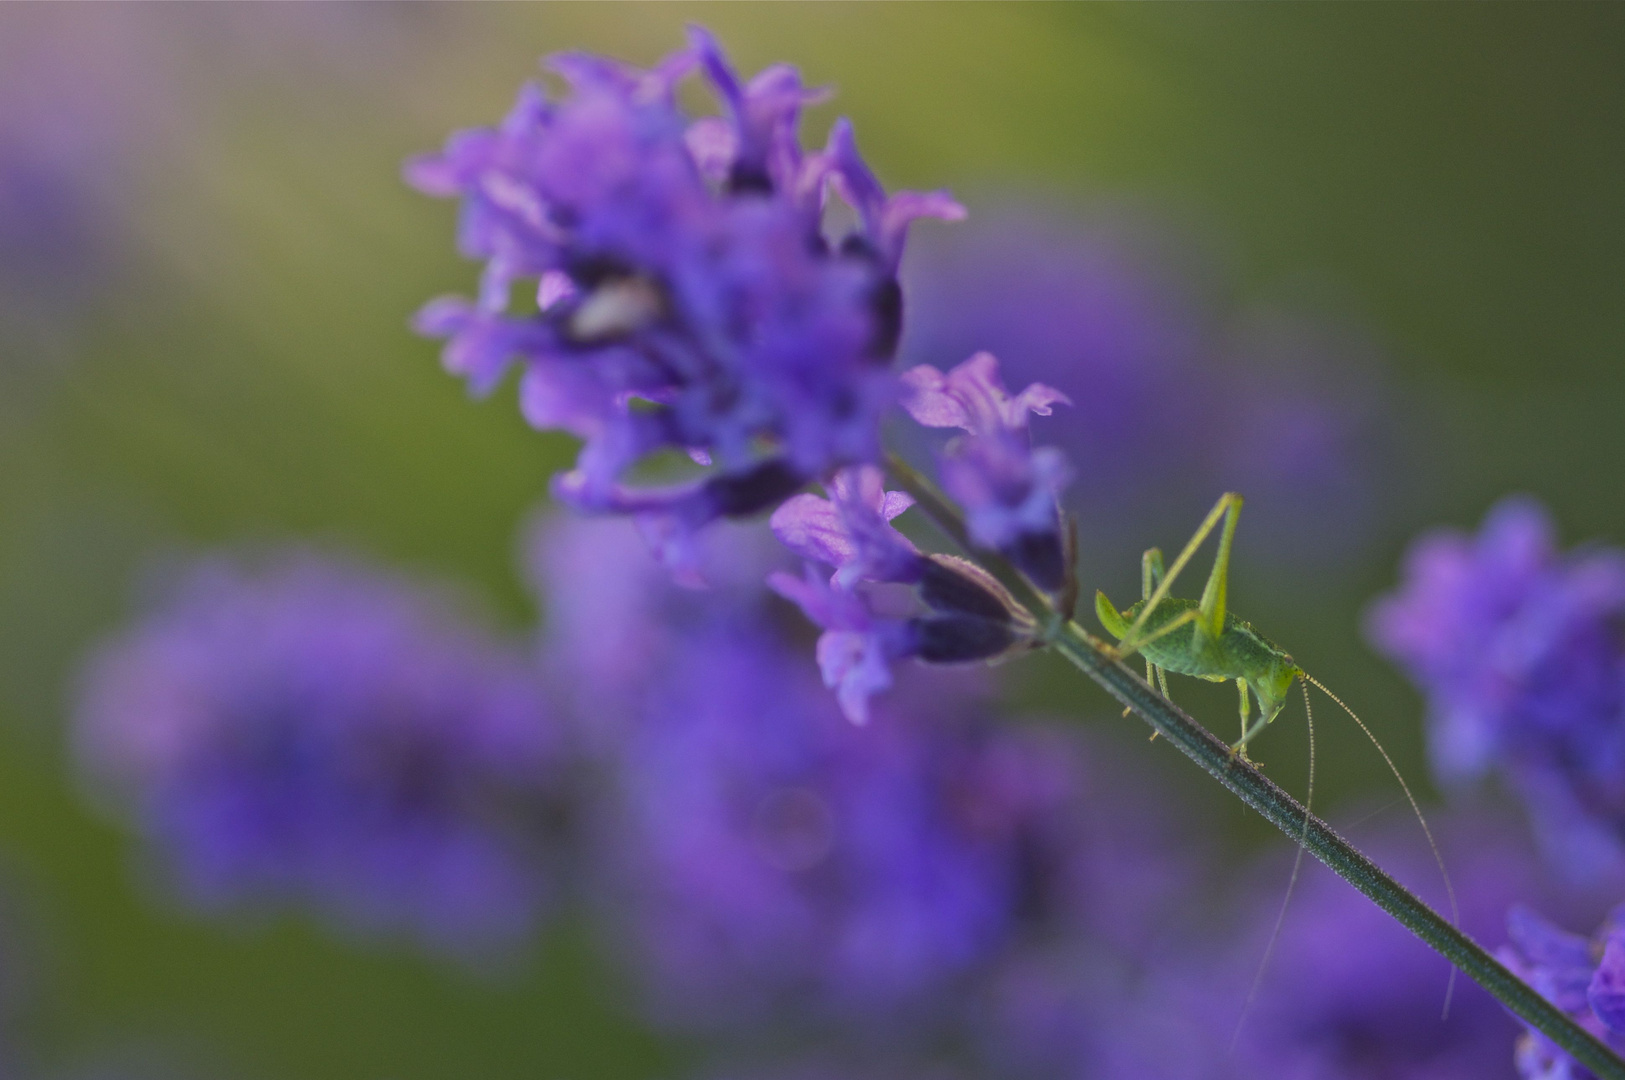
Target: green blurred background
[[237, 368]]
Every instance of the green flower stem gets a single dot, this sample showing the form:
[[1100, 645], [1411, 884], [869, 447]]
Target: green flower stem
[[1095, 660]]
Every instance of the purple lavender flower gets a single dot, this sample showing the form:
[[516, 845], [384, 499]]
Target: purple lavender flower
[[1583, 977], [763, 862], [1517, 649], [327, 735], [689, 299], [857, 647], [970, 617], [1009, 491]]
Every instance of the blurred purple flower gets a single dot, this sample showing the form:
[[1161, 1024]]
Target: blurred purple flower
[[1517, 648], [612, 622], [782, 862], [1583, 977], [82, 101], [689, 299], [323, 734], [1348, 994], [777, 860], [765, 861]]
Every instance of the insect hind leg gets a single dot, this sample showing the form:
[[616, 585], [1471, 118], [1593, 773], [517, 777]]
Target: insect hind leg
[[1216, 591], [1151, 571], [1228, 506]]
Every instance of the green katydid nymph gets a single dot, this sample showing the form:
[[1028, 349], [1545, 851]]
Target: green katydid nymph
[[1201, 638]]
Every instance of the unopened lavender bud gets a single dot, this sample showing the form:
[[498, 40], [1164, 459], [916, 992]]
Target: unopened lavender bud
[[960, 639], [955, 585]]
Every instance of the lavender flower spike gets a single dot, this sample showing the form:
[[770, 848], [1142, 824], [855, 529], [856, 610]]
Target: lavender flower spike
[[322, 735], [1516, 647], [1008, 490], [688, 298], [1585, 978]]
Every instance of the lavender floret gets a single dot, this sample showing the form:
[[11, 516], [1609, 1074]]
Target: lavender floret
[[323, 735], [1009, 490], [851, 530], [688, 297], [1517, 648]]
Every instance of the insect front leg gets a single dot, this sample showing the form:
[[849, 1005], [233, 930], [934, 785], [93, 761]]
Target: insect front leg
[[1247, 729], [1248, 733]]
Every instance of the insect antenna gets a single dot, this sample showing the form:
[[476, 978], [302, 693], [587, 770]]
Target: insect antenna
[[1450, 889], [1291, 882]]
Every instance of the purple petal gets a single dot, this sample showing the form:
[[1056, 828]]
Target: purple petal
[[927, 400], [814, 529], [854, 666]]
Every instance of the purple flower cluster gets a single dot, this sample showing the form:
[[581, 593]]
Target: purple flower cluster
[[1518, 650], [969, 616], [1585, 977], [688, 296], [689, 300], [323, 734]]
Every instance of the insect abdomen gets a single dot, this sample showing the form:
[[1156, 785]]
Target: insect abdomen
[[1240, 653]]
